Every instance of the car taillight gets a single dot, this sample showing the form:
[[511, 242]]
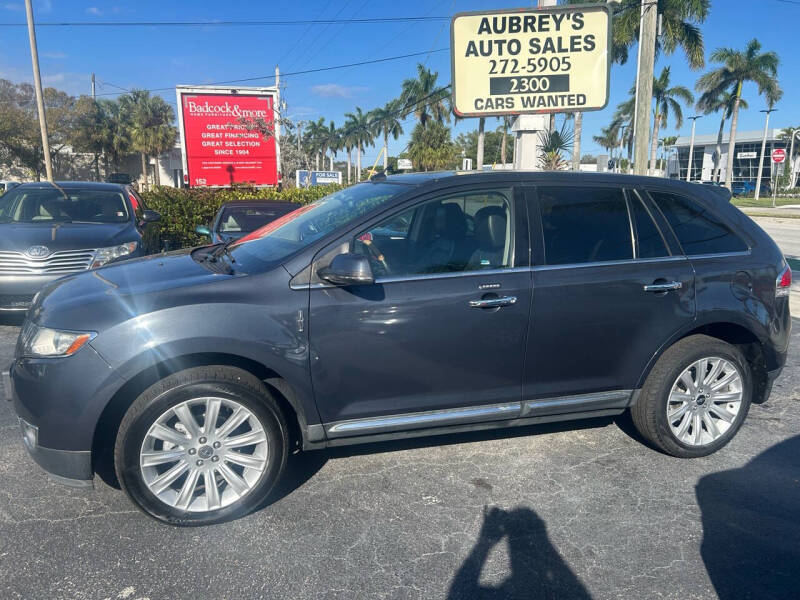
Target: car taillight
[[783, 283]]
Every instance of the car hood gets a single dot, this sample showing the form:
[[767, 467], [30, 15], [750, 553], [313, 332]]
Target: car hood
[[64, 236], [102, 297]]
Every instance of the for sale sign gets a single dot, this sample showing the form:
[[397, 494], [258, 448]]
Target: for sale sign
[[778, 155], [529, 60], [220, 146]]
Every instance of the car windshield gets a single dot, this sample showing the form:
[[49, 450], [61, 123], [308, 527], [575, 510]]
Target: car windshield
[[278, 240], [245, 219], [58, 205]]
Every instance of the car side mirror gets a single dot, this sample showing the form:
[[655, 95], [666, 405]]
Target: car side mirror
[[203, 230], [348, 269], [150, 216]]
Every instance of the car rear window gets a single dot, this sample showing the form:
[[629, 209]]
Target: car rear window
[[584, 225], [249, 218], [698, 230]]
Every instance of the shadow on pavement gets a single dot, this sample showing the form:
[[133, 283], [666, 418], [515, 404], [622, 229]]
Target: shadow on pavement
[[537, 569], [751, 525]]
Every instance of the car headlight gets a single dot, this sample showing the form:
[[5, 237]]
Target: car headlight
[[45, 342], [106, 255]]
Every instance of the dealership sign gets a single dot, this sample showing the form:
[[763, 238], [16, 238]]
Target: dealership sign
[[220, 146], [531, 60], [744, 155], [305, 178]]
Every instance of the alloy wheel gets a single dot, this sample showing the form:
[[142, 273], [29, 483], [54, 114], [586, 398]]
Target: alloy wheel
[[204, 454], [704, 401]]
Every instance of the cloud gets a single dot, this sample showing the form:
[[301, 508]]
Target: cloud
[[14, 6], [93, 10], [55, 55], [335, 90]]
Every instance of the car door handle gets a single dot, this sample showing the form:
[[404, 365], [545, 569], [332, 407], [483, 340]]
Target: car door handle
[[663, 287], [493, 302]]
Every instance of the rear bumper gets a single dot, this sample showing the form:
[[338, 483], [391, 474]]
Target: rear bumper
[[17, 291]]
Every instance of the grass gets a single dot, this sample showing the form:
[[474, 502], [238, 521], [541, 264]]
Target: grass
[[763, 202]]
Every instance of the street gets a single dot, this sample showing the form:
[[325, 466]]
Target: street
[[574, 510]]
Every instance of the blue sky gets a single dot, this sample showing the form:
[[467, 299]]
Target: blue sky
[[160, 57]]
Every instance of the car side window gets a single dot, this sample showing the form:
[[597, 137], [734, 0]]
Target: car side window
[[584, 225], [470, 231], [697, 229], [648, 238]]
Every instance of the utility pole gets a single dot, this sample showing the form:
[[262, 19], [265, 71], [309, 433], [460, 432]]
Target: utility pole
[[479, 153], [691, 149], [37, 84], [644, 84], [527, 129], [94, 95], [763, 151]]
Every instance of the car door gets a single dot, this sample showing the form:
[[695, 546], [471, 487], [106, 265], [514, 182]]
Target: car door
[[441, 331], [609, 289]]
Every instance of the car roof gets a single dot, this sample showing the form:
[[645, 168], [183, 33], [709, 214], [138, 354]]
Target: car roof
[[274, 203], [75, 185]]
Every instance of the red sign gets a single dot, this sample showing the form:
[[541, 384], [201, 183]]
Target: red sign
[[778, 155], [218, 148]]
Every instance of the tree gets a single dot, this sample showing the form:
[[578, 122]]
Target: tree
[[680, 20], [292, 155], [431, 147], [315, 134], [361, 131], [711, 102], [576, 145], [787, 134], [422, 97], [331, 142], [386, 121], [503, 148], [665, 100], [552, 146], [737, 68], [467, 143], [91, 132], [150, 125]]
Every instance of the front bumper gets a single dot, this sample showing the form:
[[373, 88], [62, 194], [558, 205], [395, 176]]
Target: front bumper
[[17, 291], [59, 402]]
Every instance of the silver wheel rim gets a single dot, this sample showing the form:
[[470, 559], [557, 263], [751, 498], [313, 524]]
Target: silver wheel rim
[[204, 454], [704, 401]]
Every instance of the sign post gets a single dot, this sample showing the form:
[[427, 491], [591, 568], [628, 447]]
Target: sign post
[[778, 156]]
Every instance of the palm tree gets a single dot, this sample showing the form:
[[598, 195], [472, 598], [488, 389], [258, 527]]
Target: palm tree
[[719, 102], [576, 144], [385, 121], [665, 101], [738, 67], [362, 134], [150, 127], [481, 136], [506, 122], [316, 132], [680, 20], [349, 142], [331, 142], [552, 145], [421, 96]]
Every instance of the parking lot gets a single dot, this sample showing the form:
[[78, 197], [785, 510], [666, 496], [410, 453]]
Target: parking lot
[[574, 510]]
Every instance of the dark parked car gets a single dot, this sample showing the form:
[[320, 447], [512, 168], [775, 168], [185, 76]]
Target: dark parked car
[[234, 220], [121, 178], [377, 313], [50, 230]]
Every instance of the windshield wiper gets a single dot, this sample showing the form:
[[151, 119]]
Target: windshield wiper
[[210, 256]]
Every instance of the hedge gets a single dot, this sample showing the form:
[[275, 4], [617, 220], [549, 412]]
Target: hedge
[[184, 209]]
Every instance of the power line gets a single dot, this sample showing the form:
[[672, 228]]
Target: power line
[[363, 21], [304, 72]]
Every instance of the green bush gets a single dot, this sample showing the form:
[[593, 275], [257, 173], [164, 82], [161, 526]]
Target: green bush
[[184, 209]]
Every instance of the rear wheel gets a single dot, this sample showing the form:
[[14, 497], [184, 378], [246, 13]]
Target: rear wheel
[[201, 446], [695, 398]]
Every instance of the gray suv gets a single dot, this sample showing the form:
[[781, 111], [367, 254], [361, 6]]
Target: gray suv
[[404, 306], [48, 230]]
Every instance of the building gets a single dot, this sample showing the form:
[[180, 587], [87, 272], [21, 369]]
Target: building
[[745, 159]]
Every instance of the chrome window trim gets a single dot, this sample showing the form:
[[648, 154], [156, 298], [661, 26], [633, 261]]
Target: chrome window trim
[[747, 252], [610, 263], [451, 274]]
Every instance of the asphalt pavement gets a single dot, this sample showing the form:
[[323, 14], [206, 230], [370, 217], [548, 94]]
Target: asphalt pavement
[[577, 510]]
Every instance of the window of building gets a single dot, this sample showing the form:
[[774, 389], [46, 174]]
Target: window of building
[[697, 229], [584, 225]]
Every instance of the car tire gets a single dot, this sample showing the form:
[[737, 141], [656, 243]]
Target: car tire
[[657, 413], [164, 431]]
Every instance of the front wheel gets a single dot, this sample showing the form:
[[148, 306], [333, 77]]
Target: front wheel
[[695, 398], [201, 446]]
